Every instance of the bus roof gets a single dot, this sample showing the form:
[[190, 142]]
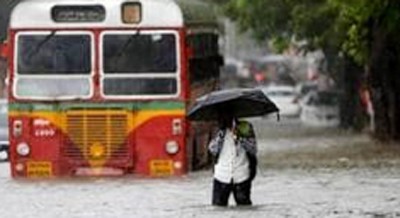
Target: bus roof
[[198, 14], [155, 13]]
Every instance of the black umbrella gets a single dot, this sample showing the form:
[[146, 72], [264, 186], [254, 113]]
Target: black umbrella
[[237, 102]]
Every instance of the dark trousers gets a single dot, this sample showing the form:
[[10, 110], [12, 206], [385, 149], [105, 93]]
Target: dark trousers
[[221, 192]]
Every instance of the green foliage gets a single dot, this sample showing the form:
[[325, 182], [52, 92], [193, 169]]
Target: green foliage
[[354, 19], [265, 18], [279, 44], [338, 25], [280, 20]]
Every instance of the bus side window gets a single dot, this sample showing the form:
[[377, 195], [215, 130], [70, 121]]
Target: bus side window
[[205, 60]]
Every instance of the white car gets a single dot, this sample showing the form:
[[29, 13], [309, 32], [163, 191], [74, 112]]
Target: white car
[[302, 89], [285, 99], [320, 109]]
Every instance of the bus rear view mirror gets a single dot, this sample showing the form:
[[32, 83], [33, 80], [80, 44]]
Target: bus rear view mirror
[[3, 50]]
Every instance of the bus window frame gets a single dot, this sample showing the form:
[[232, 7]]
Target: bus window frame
[[89, 77], [177, 74]]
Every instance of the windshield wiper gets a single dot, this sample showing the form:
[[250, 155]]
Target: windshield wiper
[[41, 43], [123, 48]]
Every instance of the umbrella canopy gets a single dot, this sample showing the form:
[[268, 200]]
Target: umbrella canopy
[[237, 102]]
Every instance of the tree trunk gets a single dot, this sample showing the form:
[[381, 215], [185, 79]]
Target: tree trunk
[[384, 82], [353, 114], [348, 76]]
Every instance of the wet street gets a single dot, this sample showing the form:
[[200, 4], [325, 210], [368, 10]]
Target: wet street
[[303, 172]]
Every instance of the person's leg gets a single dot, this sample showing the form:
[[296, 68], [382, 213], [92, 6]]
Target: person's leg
[[242, 192], [220, 195]]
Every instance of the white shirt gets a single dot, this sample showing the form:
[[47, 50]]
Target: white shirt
[[233, 164]]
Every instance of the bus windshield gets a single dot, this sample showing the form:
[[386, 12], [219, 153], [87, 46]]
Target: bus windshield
[[44, 54], [53, 65], [139, 53], [140, 64]]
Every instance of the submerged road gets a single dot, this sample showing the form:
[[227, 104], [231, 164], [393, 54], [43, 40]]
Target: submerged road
[[278, 191]]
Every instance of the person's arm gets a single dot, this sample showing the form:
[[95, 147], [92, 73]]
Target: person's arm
[[252, 165], [215, 145]]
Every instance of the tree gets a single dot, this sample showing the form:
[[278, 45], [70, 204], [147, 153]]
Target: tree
[[372, 41], [317, 22], [356, 35]]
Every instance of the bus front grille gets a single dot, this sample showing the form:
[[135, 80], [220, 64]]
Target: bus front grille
[[105, 131]]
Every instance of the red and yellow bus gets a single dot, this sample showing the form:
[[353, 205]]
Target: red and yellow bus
[[101, 87]]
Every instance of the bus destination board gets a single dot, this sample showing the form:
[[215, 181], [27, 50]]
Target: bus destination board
[[78, 13]]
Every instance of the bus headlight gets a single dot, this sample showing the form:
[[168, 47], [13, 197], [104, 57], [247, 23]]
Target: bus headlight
[[23, 149], [172, 147]]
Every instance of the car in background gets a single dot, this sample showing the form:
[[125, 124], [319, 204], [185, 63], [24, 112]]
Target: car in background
[[285, 98], [303, 88], [4, 144], [320, 108]]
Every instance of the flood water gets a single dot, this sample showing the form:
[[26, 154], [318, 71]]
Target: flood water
[[284, 187]]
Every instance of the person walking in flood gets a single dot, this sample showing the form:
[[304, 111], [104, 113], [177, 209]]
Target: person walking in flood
[[234, 149]]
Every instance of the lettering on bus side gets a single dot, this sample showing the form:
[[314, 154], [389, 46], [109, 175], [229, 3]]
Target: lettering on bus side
[[42, 128]]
